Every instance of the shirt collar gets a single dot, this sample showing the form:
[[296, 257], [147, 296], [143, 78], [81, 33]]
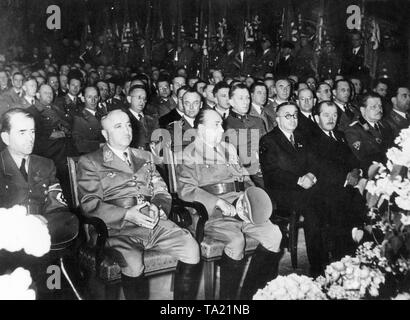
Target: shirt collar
[[400, 113], [257, 108], [136, 115], [189, 120], [91, 111], [287, 135], [179, 112], [71, 97], [119, 153], [30, 100], [306, 114], [17, 160]]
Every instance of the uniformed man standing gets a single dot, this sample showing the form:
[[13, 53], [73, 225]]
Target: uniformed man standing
[[121, 186], [369, 137], [266, 62], [209, 171]]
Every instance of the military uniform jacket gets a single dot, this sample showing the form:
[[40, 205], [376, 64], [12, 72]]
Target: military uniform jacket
[[367, 143], [103, 177], [265, 63], [41, 194], [69, 107], [397, 122], [87, 135], [345, 118], [163, 106], [199, 165], [246, 131]]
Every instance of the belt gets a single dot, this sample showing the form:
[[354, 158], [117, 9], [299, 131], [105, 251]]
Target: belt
[[221, 188], [128, 202]]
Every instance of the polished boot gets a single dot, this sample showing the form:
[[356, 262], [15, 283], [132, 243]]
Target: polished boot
[[231, 274], [262, 269], [186, 281], [135, 288]]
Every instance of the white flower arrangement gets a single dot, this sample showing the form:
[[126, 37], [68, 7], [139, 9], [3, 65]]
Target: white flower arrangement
[[350, 279], [292, 287], [20, 231]]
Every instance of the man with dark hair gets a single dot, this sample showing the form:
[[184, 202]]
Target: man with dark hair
[[340, 208], [399, 117], [246, 130], [259, 94], [143, 125], [71, 103], [381, 87], [346, 112], [221, 93], [306, 121], [323, 92], [283, 90], [87, 135], [191, 104], [52, 81], [353, 58], [14, 95], [285, 63], [369, 137], [210, 172], [209, 97], [165, 101], [175, 114], [290, 172], [266, 61], [228, 62], [30, 181]]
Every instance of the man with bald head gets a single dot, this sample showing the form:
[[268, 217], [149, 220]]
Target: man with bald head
[[121, 186], [87, 135]]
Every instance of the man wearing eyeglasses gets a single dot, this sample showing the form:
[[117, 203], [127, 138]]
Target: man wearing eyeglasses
[[290, 172]]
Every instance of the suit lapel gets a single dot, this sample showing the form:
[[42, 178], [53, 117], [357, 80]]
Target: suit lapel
[[10, 168], [283, 140]]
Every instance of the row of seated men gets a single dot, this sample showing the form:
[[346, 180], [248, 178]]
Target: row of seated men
[[290, 164]]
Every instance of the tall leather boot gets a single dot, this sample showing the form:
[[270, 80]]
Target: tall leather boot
[[135, 288], [262, 269], [186, 281], [231, 274]]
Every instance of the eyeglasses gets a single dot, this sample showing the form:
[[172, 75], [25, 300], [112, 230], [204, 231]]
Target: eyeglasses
[[290, 116]]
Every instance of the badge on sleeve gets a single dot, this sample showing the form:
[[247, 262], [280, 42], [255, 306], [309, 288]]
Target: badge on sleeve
[[356, 145], [378, 140]]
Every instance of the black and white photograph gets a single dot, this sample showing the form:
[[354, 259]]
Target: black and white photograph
[[216, 152]]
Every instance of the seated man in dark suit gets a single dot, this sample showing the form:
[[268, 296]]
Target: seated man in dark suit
[[399, 117], [290, 172], [306, 121], [121, 186], [175, 114], [30, 181], [340, 205], [143, 125]]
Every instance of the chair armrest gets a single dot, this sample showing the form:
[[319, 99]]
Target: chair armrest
[[201, 211], [102, 234]]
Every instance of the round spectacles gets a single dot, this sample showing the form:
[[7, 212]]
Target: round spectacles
[[290, 116]]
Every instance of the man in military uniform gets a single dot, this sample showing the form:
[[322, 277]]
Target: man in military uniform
[[70, 104], [399, 117], [30, 180], [304, 58], [346, 112], [266, 61], [14, 95], [285, 65], [329, 62], [221, 93], [214, 52], [353, 58], [175, 114], [209, 171], [369, 137], [246, 130], [54, 139], [121, 186], [86, 134], [228, 63]]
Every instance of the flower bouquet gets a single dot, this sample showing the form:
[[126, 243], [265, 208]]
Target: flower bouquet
[[20, 231], [292, 287]]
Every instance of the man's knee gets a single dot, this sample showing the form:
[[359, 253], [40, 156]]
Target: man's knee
[[192, 253], [235, 247]]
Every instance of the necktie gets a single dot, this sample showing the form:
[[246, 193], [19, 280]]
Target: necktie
[[311, 118], [292, 140], [332, 135], [377, 127], [127, 160], [23, 169], [348, 112]]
